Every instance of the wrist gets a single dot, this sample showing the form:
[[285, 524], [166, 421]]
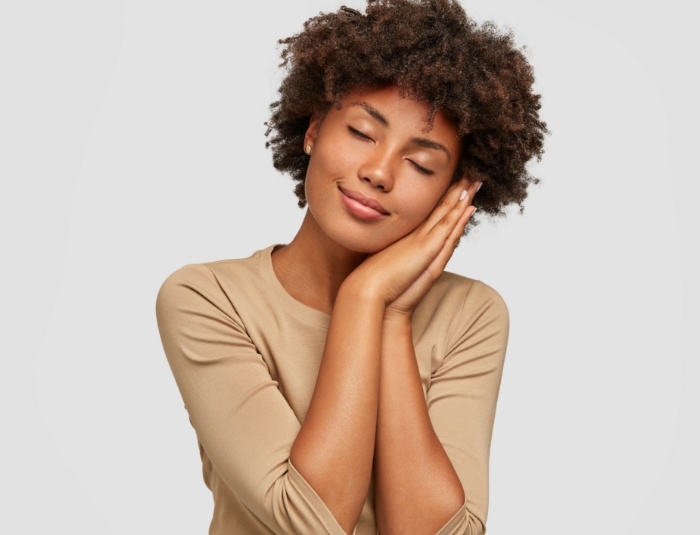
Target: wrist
[[397, 322], [360, 291]]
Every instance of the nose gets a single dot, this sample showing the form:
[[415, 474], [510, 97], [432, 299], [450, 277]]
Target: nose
[[377, 172]]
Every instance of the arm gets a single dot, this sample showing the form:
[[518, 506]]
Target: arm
[[335, 447], [460, 407], [242, 420], [417, 489], [412, 435], [462, 399], [409, 455]]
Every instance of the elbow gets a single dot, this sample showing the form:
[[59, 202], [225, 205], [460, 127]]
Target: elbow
[[294, 507], [463, 523]]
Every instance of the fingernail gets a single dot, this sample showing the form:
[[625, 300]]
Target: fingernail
[[463, 195], [479, 186]]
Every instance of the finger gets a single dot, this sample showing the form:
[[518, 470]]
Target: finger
[[465, 200], [438, 265], [458, 231], [449, 200], [444, 227], [472, 189]]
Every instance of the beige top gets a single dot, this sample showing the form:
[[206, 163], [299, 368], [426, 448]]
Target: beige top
[[245, 355]]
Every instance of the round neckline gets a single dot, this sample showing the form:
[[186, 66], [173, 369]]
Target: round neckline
[[298, 308]]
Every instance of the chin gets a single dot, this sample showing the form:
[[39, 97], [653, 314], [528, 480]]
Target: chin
[[356, 236], [362, 244]]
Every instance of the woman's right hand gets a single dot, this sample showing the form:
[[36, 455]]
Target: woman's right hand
[[402, 273]]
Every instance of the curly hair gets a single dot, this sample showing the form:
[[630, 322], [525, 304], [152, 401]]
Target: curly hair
[[473, 73]]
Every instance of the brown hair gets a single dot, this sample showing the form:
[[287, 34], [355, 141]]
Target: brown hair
[[436, 54]]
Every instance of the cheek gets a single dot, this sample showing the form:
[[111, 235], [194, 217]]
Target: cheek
[[324, 167], [420, 204], [329, 163], [313, 182], [333, 152]]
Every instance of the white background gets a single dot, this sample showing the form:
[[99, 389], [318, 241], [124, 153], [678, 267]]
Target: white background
[[131, 143]]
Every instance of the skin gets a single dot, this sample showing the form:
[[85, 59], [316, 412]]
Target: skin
[[368, 412]]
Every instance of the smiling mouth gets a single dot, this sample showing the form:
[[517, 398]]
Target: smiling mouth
[[364, 201]]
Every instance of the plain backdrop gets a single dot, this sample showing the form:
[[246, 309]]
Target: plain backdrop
[[132, 143]]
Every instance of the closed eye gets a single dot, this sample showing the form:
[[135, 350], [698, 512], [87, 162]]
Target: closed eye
[[358, 133], [422, 169]]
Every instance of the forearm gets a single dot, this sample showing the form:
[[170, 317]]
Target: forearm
[[417, 489], [335, 445]]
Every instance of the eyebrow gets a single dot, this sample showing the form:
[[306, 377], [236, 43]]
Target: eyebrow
[[374, 112], [420, 141]]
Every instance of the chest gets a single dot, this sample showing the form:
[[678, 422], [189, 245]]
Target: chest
[[294, 354]]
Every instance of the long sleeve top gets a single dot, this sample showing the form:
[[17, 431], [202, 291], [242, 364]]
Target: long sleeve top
[[245, 355]]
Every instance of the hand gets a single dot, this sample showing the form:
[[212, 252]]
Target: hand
[[402, 273], [404, 305]]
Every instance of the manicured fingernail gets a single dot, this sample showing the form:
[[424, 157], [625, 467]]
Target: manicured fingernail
[[463, 195], [479, 186]]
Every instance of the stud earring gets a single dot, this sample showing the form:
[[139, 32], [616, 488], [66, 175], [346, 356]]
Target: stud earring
[[307, 149]]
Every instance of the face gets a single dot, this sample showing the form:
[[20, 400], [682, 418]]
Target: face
[[374, 173]]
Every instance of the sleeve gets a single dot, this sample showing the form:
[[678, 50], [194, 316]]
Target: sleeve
[[462, 399], [242, 420]]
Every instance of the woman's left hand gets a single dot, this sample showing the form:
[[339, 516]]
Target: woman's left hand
[[403, 306]]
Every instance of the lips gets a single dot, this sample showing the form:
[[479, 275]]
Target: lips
[[365, 201]]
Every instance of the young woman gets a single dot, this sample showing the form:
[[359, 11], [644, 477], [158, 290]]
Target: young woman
[[344, 383]]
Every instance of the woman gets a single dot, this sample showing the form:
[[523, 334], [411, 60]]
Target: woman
[[344, 383]]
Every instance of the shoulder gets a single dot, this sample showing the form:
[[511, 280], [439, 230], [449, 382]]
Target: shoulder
[[459, 312], [458, 295], [188, 289], [478, 289], [207, 282], [190, 275], [476, 325]]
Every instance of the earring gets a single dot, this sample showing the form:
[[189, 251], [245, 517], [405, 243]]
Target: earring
[[307, 149]]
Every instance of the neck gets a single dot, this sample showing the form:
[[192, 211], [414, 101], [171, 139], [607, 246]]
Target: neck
[[312, 267]]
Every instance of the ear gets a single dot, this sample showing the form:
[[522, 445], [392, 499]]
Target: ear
[[312, 130]]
